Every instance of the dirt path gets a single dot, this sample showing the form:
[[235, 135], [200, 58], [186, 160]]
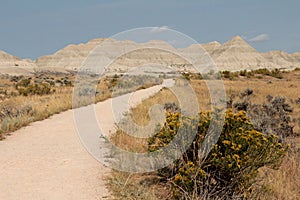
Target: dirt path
[[46, 160]]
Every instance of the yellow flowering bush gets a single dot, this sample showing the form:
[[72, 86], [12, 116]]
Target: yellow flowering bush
[[167, 133], [231, 166]]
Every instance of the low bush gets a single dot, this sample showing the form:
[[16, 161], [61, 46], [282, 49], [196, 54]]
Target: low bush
[[230, 75], [272, 116], [230, 168], [25, 88]]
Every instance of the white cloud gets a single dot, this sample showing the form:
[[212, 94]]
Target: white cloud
[[260, 38], [159, 29]]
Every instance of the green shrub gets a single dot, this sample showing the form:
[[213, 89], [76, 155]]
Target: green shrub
[[276, 73], [186, 75], [226, 74], [16, 78], [23, 83], [243, 73], [26, 88], [230, 75], [230, 168]]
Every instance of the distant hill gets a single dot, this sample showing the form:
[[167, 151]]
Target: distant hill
[[282, 58], [13, 65], [237, 54], [233, 55]]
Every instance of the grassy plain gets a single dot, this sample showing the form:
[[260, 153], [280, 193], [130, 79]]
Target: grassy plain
[[283, 183]]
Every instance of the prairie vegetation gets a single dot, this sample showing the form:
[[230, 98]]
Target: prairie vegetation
[[262, 122], [257, 155], [27, 99]]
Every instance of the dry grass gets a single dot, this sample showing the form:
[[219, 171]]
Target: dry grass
[[135, 186], [140, 112], [288, 87], [134, 144], [278, 184], [22, 110], [283, 183], [40, 107], [129, 143]]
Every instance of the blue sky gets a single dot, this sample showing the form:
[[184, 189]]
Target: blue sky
[[33, 28]]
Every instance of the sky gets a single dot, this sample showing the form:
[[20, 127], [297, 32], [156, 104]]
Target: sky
[[34, 28]]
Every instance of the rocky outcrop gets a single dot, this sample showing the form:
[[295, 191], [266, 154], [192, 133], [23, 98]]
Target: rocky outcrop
[[13, 65], [283, 59], [237, 54], [297, 57], [233, 55], [211, 46], [121, 54], [69, 57]]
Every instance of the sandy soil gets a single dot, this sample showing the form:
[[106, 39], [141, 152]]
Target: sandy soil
[[46, 160]]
